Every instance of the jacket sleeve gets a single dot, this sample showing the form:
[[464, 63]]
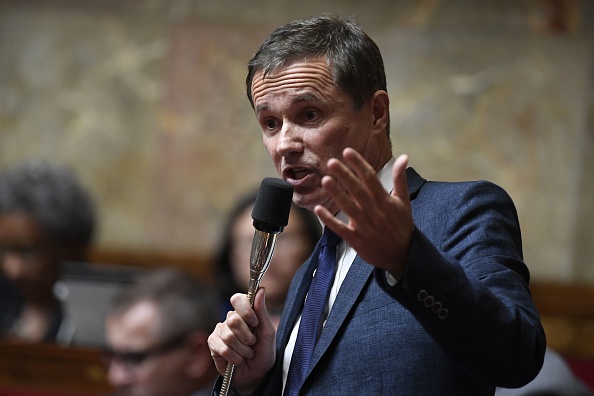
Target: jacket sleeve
[[467, 284]]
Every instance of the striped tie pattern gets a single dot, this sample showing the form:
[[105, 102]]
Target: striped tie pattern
[[311, 317]]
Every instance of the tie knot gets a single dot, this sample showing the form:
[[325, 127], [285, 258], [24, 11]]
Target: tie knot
[[329, 238]]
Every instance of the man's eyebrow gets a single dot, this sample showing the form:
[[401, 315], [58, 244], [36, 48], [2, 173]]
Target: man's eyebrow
[[261, 107], [307, 97]]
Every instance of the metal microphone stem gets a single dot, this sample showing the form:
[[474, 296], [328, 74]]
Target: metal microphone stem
[[262, 249]]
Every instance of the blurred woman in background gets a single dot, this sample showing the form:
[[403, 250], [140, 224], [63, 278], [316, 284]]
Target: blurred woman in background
[[46, 218], [294, 245]]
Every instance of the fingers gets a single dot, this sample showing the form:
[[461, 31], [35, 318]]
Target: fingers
[[376, 219], [357, 180], [353, 182], [362, 179], [245, 332], [231, 340], [354, 187], [228, 344]]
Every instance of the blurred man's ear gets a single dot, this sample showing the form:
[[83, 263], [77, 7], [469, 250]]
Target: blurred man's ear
[[200, 364]]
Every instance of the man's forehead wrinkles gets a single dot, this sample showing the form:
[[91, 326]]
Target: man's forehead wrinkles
[[292, 73], [318, 68], [314, 76], [306, 80], [297, 96], [295, 74]]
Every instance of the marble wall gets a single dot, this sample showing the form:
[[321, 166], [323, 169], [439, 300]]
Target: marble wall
[[146, 100]]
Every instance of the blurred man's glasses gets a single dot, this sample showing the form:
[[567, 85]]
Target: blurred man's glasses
[[133, 359]]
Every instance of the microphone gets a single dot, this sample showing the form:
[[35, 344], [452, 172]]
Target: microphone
[[270, 215]]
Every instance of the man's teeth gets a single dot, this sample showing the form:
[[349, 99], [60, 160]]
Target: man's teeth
[[299, 174]]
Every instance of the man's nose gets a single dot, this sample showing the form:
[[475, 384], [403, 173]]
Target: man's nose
[[290, 139], [13, 264], [119, 375]]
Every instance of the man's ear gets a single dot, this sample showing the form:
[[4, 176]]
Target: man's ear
[[200, 364], [380, 103]]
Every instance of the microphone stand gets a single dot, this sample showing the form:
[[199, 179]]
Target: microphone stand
[[262, 249]]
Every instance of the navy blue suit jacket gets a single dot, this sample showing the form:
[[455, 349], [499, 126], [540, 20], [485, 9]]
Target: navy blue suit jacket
[[460, 321]]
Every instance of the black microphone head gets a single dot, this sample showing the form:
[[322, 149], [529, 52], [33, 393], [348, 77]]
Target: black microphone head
[[272, 206]]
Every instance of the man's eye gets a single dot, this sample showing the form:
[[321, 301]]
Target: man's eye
[[310, 115], [270, 124], [134, 357]]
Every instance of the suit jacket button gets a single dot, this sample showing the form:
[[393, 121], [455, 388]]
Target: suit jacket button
[[436, 307], [429, 301], [422, 295], [444, 313]]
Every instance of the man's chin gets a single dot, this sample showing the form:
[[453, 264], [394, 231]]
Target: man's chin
[[126, 392], [311, 200]]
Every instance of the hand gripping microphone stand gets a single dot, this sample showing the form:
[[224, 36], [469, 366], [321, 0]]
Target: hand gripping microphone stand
[[271, 215]]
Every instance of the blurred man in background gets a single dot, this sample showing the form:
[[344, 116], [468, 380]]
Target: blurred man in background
[[156, 333]]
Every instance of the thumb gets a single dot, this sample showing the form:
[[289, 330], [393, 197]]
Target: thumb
[[261, 310], [399, 178]]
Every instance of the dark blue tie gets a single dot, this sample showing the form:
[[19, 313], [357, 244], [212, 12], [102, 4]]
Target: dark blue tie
[[311, 317]]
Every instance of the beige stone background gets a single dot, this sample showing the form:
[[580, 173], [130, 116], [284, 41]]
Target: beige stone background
[[146, 100]]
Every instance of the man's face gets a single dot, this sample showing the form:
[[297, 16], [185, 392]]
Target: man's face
[[305, 121], [158, 373]]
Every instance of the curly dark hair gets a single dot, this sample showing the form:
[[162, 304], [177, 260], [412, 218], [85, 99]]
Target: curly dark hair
[[52, 195]]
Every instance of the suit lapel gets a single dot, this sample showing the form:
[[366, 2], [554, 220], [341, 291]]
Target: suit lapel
[[295, 304], [358, 275], [415, 182]]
